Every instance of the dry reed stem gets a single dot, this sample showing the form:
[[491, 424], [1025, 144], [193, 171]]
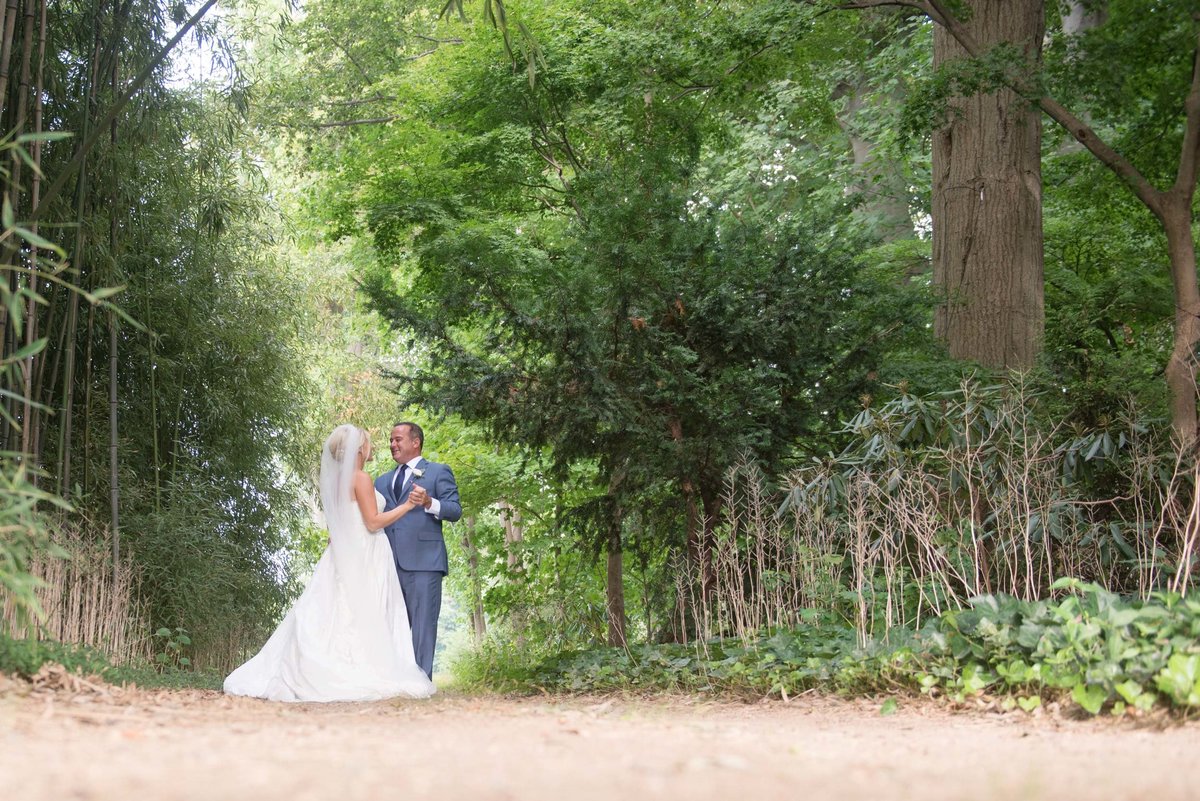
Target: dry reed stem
[[899, 527], [85, 601]]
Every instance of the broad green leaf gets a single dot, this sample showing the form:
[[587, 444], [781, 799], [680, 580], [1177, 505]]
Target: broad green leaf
[[1089, 696]]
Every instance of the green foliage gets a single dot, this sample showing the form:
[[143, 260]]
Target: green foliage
[[24, 536], [26, 656], [594, 280], [1091, 647], [171, 645], [1129, 77], [633, 242], [1097, 647], [998, 466], [495, 665], [168, 678], [213, 388], [165, 233]]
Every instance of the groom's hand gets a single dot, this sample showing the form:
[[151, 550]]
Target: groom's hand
[[420, 496]]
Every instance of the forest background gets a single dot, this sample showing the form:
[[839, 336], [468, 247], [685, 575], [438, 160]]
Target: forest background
[[738, 321]]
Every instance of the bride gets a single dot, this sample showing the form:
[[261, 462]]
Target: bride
[[347, 637]]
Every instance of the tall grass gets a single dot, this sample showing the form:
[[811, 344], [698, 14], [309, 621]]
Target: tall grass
[[941, 499], [82, 598]]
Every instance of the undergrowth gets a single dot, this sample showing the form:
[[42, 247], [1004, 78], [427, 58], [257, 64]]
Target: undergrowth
[[25, 657], [1090, 648]]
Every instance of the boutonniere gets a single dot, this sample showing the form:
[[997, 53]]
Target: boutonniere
[[418, 472]]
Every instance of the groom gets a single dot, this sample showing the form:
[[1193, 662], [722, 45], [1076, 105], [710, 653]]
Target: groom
[[416, 538]]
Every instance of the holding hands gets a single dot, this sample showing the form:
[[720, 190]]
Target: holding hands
[[419, 496]]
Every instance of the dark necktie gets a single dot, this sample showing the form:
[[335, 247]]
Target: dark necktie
[[398, 484]]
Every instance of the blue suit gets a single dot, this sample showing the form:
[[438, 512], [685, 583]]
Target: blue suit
[[420, 551]]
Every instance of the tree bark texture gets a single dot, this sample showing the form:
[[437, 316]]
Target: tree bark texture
[[884, 205], [478, 620], [1181, 367], [615, 584], [987, 202]]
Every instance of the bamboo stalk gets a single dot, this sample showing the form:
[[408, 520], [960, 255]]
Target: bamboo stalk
[[30, 416], [89, 141], [113, 485], [68, 410], [6, 45]]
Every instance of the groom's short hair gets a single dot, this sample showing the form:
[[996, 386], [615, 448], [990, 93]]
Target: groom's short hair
[[416, 431]]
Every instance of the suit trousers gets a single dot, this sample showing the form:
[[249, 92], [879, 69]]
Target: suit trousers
[[423, 596]]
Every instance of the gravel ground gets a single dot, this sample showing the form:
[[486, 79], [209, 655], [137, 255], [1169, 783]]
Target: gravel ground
[[69, 739]]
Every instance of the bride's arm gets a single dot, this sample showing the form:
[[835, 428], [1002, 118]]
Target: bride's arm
[[364, 493]]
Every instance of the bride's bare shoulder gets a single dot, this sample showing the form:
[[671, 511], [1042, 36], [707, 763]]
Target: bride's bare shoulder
[[361, 479]]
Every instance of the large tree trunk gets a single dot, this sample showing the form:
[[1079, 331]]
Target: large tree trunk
[[1172, 207], [987, 202], [114, 486]]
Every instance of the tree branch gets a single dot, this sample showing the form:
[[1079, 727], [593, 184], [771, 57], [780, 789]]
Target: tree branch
[[454, 40], [1185, 179], [860, 5], [350, 123], [1081, 131], [420, 55]]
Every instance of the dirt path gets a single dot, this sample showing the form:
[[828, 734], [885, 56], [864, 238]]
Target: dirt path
[[104, 743]]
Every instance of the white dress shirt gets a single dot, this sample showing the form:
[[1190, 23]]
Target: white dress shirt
[[435, 506]]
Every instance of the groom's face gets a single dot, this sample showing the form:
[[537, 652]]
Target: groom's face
[[404, 445]]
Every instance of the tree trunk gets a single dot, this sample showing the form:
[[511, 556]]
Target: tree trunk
[[88, 382], [68, 405], [1172, 207], [513, 536], [987, 204], [1082, 16], [153, 409], [698, 544], [478, 621], [615, 589], [884, 207], [6, 45], [81, 182], [15, 126], [1181, 368]]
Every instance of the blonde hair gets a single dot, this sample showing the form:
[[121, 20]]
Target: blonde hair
[[335, 446]]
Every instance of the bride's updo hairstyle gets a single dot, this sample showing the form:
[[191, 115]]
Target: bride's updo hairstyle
[[345, 438], [338, 467]]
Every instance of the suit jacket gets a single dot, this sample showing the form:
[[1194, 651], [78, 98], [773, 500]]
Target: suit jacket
[[416, 538]]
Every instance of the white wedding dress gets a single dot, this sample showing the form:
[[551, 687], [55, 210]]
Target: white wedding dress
[[347, 637]]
